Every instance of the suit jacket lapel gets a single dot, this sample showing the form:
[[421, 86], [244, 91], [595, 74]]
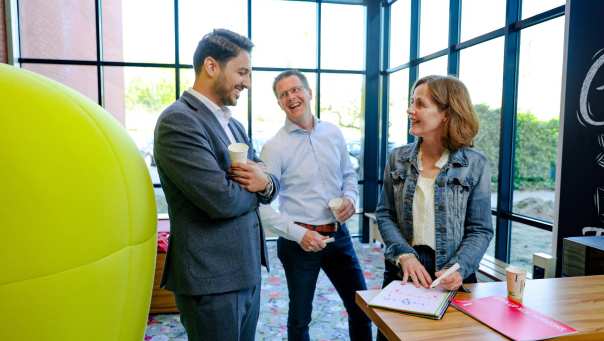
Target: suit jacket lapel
[[208, 117], [236, 132]]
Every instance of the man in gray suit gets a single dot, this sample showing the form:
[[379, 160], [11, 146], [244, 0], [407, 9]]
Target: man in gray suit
[[216, 243]]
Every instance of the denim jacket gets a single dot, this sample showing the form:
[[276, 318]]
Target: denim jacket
[[462, 212]]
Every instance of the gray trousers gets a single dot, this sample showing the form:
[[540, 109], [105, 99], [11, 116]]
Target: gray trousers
[[225, 316]]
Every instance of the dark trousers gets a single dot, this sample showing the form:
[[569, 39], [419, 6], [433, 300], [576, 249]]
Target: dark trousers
[[427, 258], [225, 316], [339, 262]]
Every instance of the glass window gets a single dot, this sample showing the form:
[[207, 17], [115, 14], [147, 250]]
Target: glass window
[[187, 78], [229, 14], [398, 101], [481, 70], [533, 7], [115, 92], [80, 78], [138, 96], [267, 116], [537, 118], [341, 104], [342, 37], [434, 26], [400, 32], [295, 46], [437, 66], [479, 17], [491, 248], [354, 224], [47, 30], [527, 240], [160, 201], [130, 36]]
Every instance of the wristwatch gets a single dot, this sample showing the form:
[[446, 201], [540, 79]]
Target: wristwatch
[[269, 188]]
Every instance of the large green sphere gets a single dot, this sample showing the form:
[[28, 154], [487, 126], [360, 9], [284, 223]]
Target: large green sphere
[[78, 217]]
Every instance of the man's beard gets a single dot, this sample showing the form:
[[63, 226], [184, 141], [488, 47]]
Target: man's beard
[[223, 92]]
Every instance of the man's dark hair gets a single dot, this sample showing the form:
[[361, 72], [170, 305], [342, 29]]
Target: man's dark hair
[[222, 45], [288, 73]]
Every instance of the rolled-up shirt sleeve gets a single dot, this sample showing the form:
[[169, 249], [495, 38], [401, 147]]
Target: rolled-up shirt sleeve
[[272, 219]]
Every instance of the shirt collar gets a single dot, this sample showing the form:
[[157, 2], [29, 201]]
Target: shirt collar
[[291, 126], [442, 161], [223, 113]]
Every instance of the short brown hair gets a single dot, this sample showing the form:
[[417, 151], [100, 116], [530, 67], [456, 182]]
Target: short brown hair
[[288, 73], [222, 45], [452, 97]]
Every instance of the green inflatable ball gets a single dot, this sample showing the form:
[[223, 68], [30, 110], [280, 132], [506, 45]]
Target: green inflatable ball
[[78, 217]]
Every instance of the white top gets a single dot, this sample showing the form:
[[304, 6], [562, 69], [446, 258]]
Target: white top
[[423, 204], [223, 115]]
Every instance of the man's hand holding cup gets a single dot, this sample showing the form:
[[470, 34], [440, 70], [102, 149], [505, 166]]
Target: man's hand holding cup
[[342, 208], [248, 174]]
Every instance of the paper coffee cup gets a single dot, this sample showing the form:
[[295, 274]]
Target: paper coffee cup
[[238, 152], [516, 278], [335, 204]]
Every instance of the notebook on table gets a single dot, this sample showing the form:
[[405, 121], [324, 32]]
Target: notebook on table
[[511, 319], [429, 303]]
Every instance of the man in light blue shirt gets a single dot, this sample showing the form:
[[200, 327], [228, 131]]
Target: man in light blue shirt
[[309, 158]]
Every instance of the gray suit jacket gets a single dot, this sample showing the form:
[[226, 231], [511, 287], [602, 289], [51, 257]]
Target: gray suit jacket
[[216, 240]]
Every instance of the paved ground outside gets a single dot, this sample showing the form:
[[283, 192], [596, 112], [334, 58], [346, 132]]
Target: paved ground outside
[[527, 240]]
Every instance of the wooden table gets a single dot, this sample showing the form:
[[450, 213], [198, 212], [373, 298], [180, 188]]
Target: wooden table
[[576, 301]]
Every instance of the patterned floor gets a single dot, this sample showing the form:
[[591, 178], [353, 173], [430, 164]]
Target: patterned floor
[[329, 321]]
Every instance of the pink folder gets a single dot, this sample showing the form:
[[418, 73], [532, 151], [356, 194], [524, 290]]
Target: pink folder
[[511, 319]]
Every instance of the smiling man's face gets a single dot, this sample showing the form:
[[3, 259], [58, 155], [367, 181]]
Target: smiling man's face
[[234, 77], [294, 98]]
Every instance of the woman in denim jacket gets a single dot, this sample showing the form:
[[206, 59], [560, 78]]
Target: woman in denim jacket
[[435, 206]]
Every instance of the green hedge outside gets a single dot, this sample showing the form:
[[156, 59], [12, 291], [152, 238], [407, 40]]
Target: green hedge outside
[[536, 148]]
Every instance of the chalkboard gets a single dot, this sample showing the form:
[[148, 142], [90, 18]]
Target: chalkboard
[[581, 161]]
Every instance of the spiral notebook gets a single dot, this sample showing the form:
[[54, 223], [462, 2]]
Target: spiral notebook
[[429, 303]]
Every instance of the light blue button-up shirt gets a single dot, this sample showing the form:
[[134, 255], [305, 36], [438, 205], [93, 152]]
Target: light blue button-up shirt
[[313, 167]]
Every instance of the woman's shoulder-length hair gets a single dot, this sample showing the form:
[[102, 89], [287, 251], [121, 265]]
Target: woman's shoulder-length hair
[[452, 97]]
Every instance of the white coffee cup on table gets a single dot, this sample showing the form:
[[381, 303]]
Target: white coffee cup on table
[[516, 279], [238, 152]]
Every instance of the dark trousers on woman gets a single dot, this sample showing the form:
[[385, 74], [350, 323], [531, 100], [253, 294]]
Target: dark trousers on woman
[[427, 258], [339, 262]]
